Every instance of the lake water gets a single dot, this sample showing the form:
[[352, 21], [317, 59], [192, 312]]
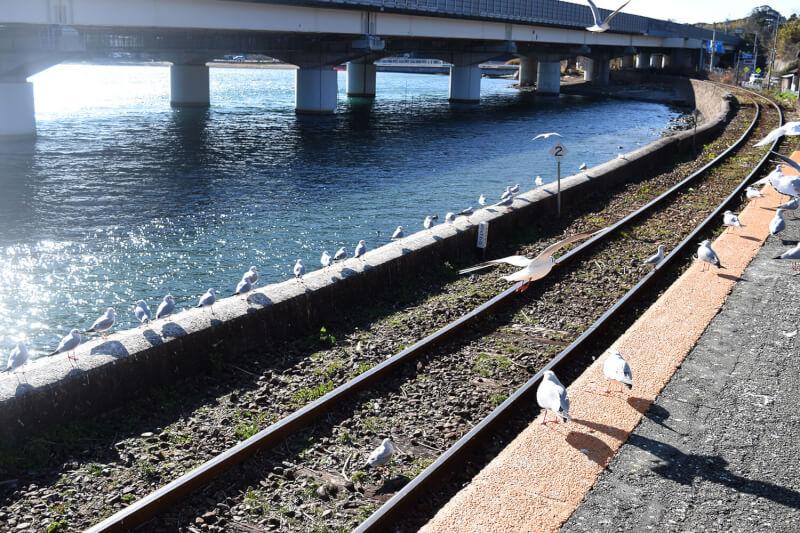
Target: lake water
[[121, 197]]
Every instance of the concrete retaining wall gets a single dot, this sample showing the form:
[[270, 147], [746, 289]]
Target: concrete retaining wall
[[112, 371]]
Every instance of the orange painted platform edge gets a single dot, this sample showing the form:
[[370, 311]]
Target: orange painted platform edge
[[542, 476]]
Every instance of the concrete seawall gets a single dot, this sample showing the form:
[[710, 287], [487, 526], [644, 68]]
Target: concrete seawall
[[110, 372]]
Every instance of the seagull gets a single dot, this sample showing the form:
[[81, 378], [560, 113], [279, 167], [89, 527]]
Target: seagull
[[707, 255], [791, 205], [18, 357], [208, 299], [482, 200], [325, 260], [507, 193], [790, 128], [243, 286], [340, 255], [620, 156], [792, 254], [552, 395], [546, 135], [582, 167], [771, 178], [731, 220], [68, 344], [752, 193], [515, 189], [299, 269], [142, 312], [380, 455], [465, 212], [506, 202], [103, 323], [532, 269], [616, 368], [166, 307], [600, 27], [791, 162], [656, 258], [538, 181], [398, 233], [428, 223], [251, 276], [361, 248], [450, 218], [777, 224]]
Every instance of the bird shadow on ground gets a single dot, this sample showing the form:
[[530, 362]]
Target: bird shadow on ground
[[152, 337], [754, 239], [215, 322], [171, 329], [392, 485], [683, 468], [22, 388], [112, 348], [731, 277], [611, 431], [347, 272], [405, 251], [259, 299], [656, 414], [788, 243], [437, 238], [599, 451]]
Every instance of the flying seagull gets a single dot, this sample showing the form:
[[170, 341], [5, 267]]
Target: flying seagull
[[656, 258], [791, 162], [552, 395], [546, 135], [600, 27], [790, 128], [532, 269], [617, 369]]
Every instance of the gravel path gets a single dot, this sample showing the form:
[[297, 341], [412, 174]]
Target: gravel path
[[718, 450], [71, 478]]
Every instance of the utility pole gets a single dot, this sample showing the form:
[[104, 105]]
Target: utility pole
[[713, 46], [755, 53], [774, 50]]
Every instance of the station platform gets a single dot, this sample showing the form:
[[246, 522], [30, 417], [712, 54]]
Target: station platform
[[705, 440]]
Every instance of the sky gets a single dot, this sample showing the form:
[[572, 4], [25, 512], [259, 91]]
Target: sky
[[703, 11]]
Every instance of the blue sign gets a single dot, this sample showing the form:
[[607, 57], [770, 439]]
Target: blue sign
[[717, 46], [747, 56]]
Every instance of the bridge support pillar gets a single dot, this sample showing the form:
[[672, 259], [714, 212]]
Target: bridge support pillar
[[315, 90], [549, 77], [361, 79], [465, 83], [600, 71], [666, 61], [588, 69], [655, 61], [189, 86], [643, 60], [17, 118], [627, 61], [679, 58], [528, 67]]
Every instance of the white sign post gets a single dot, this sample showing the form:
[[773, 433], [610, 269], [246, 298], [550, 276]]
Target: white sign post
[[483, 236], [558, 151]]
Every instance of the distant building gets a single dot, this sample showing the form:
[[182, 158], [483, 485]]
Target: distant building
[[790, 83]]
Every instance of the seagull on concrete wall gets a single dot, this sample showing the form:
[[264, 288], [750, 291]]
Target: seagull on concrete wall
[[600, 27], [706, 254]]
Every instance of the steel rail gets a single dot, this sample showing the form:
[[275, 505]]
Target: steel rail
[[453, 459], [164, 497]]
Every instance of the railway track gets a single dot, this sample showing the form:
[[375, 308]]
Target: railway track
[[498, 335]]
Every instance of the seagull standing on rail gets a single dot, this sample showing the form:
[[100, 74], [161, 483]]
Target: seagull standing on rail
[[166, 307], [656, 258], [251, 276], [18, 357], [600, 27], [68, 344], [243, 287], [361, 248], [208, 299], [398, 233], [325, 260], [341, 254], [617, 369], [532, 269], [790, 128], [731, 220], [552, 395], [142, 312], [103, 323], [538, 181], [299, 269], [706, 254], [482, 200]]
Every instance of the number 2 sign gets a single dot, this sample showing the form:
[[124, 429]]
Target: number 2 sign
[[558, 151]]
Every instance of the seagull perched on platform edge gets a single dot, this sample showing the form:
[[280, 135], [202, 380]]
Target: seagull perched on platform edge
[[166, 307], [103, 323], [552, 395], [617, 369], [706, 254]]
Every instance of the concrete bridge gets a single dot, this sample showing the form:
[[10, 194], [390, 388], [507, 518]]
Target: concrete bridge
[[316, 35]]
